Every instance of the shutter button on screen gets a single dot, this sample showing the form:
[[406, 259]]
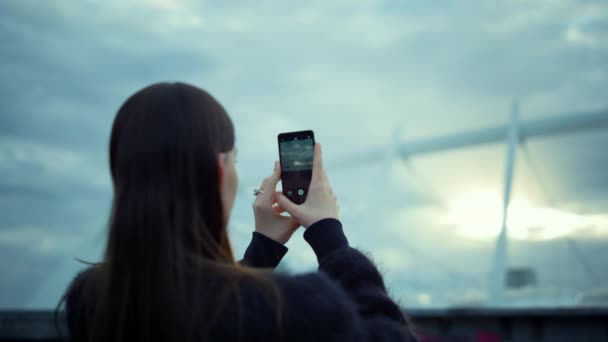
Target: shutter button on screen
[[300, 192]]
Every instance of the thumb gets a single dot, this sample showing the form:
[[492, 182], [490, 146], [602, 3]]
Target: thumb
[[286, 204]]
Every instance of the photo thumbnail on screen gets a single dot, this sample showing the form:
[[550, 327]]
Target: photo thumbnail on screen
[[297, 155]]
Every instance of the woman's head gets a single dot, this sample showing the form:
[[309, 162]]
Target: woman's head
[[168, 269], [172, 163]]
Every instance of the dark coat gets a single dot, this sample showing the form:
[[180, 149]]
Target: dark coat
[[346, 300]]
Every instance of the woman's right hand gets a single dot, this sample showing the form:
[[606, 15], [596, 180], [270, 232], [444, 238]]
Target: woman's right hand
[[320, 201]]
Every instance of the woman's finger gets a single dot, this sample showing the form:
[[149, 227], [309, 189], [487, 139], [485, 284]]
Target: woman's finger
[[318, 172], [269, 185], [286, 204], [276, 194], [275, 177], [272, 181], [317, 161], [278, 209], [262, 187]]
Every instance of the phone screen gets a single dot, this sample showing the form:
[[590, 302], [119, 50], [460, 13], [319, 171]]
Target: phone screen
[[296, 154]]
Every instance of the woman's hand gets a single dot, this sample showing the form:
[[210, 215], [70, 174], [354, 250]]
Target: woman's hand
[[320, 202], [268, 219]]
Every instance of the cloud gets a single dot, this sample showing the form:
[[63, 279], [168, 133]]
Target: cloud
[[350, 71], [476, 213], [29, 163], [391, 259], [37, 240]]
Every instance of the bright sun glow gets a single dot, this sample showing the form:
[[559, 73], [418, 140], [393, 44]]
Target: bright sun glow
[[479, 215]]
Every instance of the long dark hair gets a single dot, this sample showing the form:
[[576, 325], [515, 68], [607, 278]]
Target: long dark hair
[[167, 230]]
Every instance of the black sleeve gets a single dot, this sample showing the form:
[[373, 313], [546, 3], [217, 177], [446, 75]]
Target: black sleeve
[[263, 252], [359, 278]]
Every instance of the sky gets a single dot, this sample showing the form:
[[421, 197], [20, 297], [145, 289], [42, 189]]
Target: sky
[[364, 76]]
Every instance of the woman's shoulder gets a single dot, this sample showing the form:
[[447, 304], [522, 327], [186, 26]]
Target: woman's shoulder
[[322, 309], [75, 289], [79, 303], [85, 273], [82, 276], [311, 286], [315, 305], [304, 288]]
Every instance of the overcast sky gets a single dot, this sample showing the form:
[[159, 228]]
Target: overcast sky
[[361, 74]]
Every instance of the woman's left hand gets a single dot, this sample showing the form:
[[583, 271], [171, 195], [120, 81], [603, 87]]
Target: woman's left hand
[[267, 213]]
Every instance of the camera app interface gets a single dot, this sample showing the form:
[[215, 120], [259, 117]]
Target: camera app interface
[[296, 161]]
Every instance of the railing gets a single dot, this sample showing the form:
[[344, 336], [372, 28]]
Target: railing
[[474, 324]]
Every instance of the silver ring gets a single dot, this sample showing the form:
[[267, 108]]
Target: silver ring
[[257, 192]]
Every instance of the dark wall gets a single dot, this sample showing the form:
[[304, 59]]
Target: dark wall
[[485, 325]]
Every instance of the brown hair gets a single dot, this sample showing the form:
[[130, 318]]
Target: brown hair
[[167, 232]]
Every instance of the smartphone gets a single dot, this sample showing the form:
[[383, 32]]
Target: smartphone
[[296, 153]]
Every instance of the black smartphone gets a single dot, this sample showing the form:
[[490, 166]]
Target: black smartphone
[[296, 153]]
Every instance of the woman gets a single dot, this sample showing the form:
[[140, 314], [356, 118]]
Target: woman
[[169, 273]]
